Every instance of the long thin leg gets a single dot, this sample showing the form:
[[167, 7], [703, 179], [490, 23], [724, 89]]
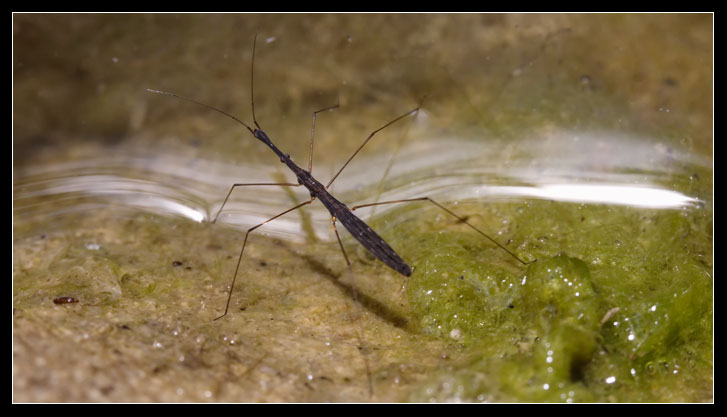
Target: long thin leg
[[244, 242], [340, 244], [313, 131], [289, 184], [358, 308], [367, 141], [451, 213]]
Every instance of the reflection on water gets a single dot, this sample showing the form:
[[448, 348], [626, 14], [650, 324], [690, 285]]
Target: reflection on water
[[637, 196], [571, 167]]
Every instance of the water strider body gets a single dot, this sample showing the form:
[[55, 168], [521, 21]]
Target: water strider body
[[339, 211], [360, 230]]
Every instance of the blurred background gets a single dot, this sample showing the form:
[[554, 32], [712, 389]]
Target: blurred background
[[83, 78]]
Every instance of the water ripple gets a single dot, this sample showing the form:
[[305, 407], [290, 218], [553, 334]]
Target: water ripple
[[565, 166]]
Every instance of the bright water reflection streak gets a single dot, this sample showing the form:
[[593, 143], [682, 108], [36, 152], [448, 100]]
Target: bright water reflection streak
[[568, 167]]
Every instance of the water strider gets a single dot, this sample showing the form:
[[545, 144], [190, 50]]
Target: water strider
[[338, 210]]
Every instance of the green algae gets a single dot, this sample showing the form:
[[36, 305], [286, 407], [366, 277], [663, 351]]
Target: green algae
[[617, 307], [614, 309]]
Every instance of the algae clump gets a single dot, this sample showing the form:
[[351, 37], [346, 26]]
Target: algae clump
[[617, 307]]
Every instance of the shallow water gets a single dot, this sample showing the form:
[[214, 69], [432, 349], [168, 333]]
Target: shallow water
[[548, 132], [630, 171]]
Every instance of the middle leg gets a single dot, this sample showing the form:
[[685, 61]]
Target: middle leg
[[358, 309], [451, 213]]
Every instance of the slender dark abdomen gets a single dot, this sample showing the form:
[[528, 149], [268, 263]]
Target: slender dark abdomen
[[360, 230], [366, 235]]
